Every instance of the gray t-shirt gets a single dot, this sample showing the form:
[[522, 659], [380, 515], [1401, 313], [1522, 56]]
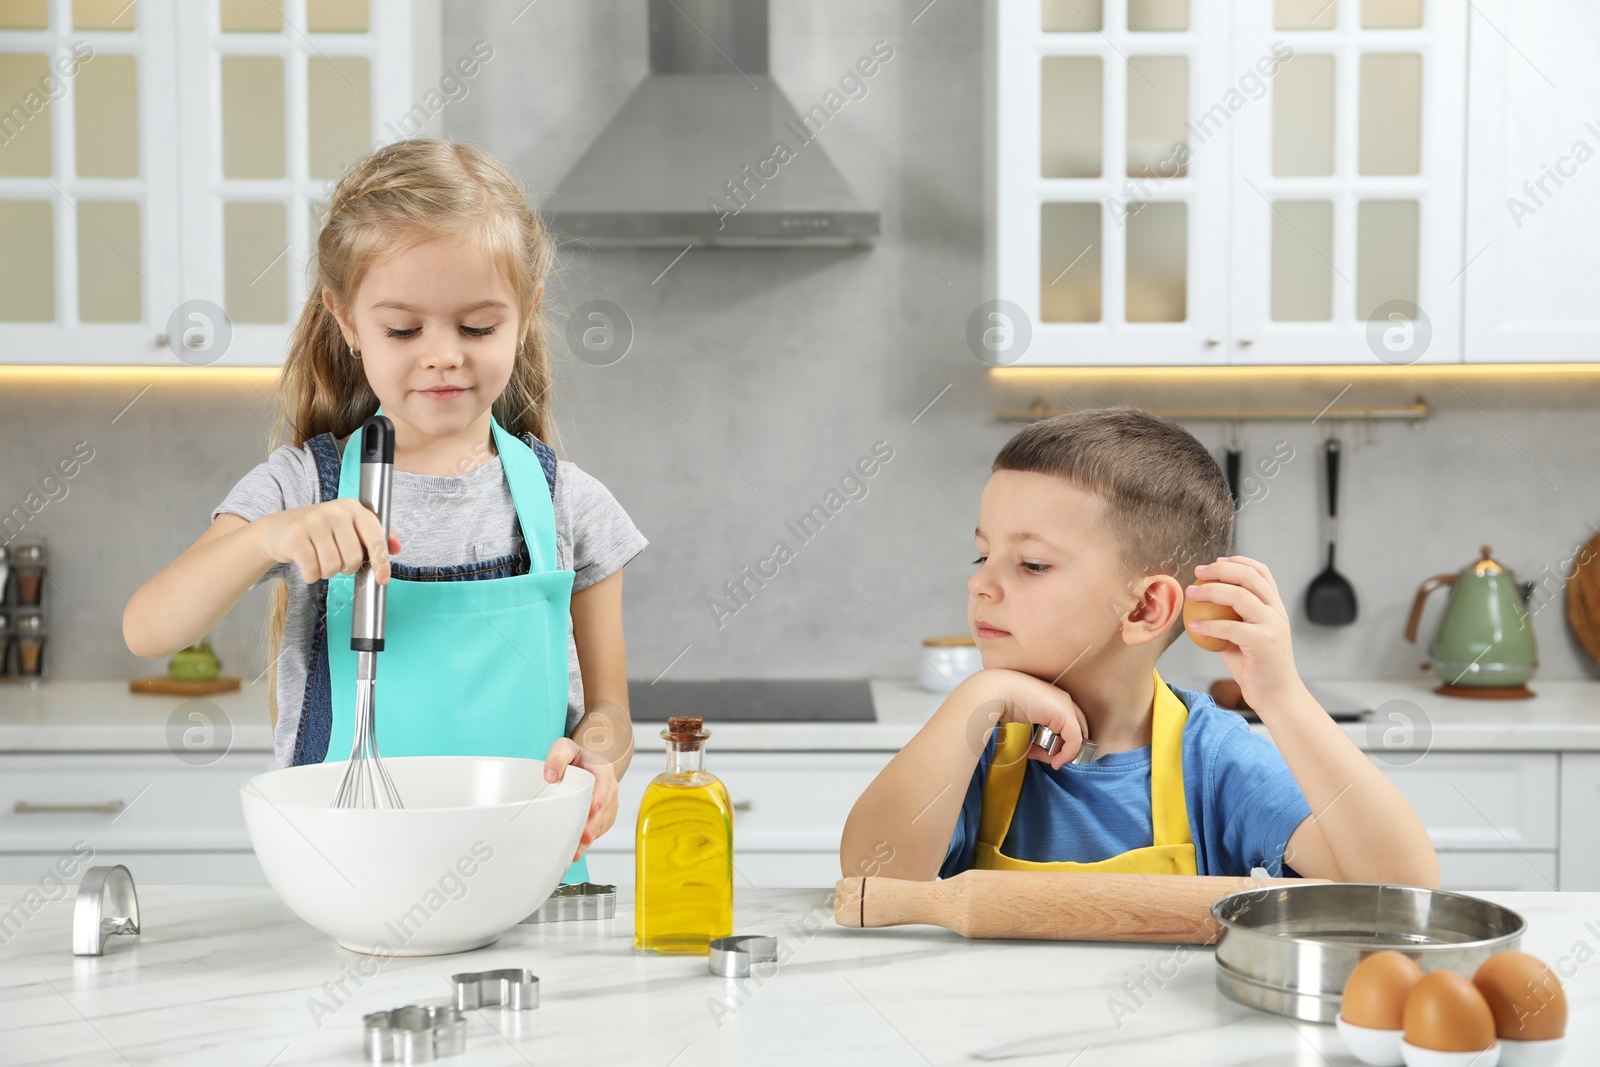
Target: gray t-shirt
[[442, 521]]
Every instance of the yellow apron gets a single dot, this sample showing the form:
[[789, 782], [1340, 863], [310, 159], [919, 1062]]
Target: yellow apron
[[1173, 849]]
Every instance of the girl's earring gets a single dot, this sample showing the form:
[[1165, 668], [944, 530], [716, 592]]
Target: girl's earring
[[353, 353]]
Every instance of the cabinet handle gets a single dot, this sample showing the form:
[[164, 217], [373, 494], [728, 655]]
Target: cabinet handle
[[1213, 340], [1246, 340], [743, 805], [109, 807]]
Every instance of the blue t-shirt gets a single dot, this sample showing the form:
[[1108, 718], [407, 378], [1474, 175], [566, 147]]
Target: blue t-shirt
[[1242, 800]]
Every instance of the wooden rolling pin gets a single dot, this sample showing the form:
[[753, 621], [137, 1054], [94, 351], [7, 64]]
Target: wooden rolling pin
[[1051, 905]]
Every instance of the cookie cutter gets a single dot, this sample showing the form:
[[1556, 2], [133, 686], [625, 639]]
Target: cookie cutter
[[1051, 742], [580, 900], [513, 988], [732, 957], [416, 1033], [107, 904]]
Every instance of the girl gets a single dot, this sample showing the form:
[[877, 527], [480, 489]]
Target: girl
[[504, 628]]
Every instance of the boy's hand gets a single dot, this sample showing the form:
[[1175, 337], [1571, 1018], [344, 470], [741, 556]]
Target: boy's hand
[[1262, 660], [603, 805], [1024, 698]]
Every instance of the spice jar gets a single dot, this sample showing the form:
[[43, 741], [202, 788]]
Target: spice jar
[[29, 563], [30, 641]]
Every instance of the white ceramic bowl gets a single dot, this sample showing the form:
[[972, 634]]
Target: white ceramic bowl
[[1377, 1048], [1417, 1056], [941, 668], [479, 845]]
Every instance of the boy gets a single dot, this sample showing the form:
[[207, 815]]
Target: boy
[[1089, 531]]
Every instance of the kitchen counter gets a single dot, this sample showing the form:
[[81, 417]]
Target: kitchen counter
[[102, 716], [229, 975]]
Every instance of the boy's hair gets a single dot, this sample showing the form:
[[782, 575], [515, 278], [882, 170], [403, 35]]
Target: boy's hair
[[401, 195], [1167, 501]]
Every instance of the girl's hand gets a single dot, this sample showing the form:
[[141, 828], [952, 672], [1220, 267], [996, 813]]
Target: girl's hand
[[603, 805], [1262, 659], [334, 537]]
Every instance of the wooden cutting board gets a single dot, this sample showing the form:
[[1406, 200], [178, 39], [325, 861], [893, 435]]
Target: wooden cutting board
[[172, 687], [1583, 599], [1049, 905]]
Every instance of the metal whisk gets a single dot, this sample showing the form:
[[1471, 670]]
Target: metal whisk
[[366, 784]]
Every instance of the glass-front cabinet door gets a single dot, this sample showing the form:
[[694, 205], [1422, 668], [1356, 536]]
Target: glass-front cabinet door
[[163, 166], [1248, 182], [88, 247], [1109, 224], [278, 97], [1348, 183]]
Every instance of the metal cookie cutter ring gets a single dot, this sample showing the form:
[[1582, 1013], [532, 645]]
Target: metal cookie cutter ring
[[1051, 742], [732, 957], [416, 1033], [514, 988], [106, 905], [578, 900]]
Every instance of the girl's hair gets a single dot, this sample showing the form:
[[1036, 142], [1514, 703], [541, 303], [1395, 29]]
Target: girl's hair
[[402, 195]]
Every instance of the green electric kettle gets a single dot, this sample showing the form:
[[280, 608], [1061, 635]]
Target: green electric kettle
[[1484, 645]]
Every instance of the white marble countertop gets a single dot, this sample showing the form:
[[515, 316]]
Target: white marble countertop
[[103, 716], [227, 975]]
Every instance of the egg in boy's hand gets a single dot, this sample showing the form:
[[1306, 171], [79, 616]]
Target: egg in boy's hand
[[1235, 607]]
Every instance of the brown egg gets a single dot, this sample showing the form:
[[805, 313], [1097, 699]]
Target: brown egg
[[1524, 995], [1207, 609], [1446, 1013], [1375, 994]]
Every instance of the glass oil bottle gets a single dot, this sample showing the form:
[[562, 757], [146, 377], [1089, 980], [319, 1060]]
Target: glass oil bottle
[[683, 851]]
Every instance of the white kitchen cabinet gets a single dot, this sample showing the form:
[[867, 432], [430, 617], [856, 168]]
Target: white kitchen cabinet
[[1533, 872], [1533, 183], [167, 820], [1256, 182], [182, 167], [1580, 821], [1491, 801]]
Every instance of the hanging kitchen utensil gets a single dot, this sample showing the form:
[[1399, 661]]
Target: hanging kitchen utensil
[[366, 784], [1230, 461], [1331, 600], [1484, 646]]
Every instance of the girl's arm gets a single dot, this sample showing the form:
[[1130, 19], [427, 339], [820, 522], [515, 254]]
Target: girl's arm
[[602, 741], [606, 729], [187, 599]]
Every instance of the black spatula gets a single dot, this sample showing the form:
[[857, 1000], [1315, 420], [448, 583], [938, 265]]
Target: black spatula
[[1330, 599]]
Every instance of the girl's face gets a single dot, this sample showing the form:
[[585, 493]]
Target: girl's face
[[437, 330]]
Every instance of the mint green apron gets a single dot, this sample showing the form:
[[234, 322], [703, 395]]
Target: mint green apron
[[469, 667]]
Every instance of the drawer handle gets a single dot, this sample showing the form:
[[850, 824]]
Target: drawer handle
[[743, 805], [109, 807]]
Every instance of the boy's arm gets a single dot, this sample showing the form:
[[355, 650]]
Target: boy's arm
[[901, 825], [1361, 828]]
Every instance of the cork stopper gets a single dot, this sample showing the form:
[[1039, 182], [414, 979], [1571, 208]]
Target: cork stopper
[[685, 729]]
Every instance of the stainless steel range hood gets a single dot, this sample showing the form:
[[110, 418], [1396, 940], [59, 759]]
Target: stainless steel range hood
[[693, 156]]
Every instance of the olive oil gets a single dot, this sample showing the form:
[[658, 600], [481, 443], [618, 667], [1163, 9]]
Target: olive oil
[[683, 851]]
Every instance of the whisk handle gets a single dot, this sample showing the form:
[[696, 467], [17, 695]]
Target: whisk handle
[[377, 479]]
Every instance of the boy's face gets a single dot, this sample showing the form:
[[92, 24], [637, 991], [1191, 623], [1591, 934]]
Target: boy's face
[[437, 330], [1050, 590]]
